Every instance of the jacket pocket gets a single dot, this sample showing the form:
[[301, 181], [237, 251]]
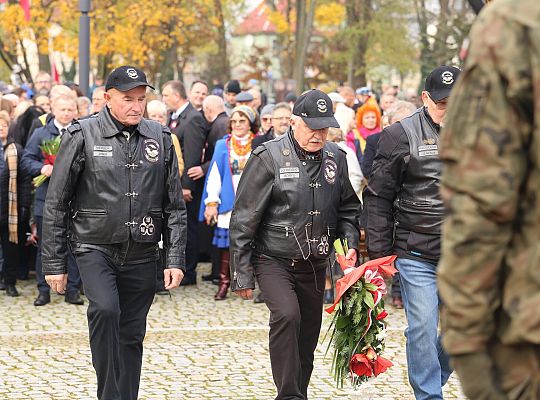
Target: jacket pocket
[[88, 224]]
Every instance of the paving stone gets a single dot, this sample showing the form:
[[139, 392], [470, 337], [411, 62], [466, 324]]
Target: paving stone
[[195, 348]]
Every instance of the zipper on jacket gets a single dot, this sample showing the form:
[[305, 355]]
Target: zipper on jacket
[[127, 135], [89, 212]]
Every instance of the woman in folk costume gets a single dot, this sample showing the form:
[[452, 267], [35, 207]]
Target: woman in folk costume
[[230, 156], [15, 201]]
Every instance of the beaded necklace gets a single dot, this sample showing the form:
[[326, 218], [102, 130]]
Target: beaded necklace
[[241, 149], [239, 153]]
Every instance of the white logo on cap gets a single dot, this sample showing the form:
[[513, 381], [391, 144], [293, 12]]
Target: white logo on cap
[[447, 77], [321, 105], [132, 73]]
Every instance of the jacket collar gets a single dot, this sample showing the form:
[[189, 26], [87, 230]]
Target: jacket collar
[[109, 128]]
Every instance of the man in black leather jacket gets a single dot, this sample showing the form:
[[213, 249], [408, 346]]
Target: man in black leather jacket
[[116, 181], [404, 217], [293, 200]]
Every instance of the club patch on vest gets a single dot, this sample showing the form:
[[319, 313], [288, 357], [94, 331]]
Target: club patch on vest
[[428, 150], [288, 173], [102, 151], [147, 226], [330, 171], [151, 150]]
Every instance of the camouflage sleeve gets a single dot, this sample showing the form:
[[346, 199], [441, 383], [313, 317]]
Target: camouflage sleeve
[[482, 148]]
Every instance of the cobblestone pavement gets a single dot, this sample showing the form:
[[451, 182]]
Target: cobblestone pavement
[[195, 348]]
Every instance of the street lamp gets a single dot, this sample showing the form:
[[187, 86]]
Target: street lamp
[[84, 46]]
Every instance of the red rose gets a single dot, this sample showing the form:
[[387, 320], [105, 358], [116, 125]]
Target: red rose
[[360, 365], [380, 365]]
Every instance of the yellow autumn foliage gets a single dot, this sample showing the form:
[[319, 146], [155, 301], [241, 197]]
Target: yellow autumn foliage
[[139, 32]]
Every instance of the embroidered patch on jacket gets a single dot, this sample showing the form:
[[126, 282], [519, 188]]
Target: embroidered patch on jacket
[[288, 173], [102, 151], [428, 150], [147, 226], [151, 150], [330, 171]]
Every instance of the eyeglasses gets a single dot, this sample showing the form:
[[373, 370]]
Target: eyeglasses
[[440, 105], [266, 119], [238, 121], [43, 82], [280, 118]]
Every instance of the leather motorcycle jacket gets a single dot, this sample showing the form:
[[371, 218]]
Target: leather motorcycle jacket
[[282, 211], [418, 205], [112, 192]]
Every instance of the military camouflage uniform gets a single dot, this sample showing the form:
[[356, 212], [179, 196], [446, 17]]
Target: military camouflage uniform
[[489, 276]]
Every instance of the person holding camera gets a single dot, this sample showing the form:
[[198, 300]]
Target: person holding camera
[[230, 156]]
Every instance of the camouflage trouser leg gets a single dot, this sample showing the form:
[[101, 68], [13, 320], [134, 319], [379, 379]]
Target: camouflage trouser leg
[[518, 370]]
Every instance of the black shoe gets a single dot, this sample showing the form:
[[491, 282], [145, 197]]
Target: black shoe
[[11, 291], [209, 278], [259, 299], [42, 299], [74, 298], [188, 282], [2, 285], [328, 296]]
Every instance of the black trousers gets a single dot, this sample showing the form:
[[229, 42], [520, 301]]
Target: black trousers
[[73, 275], [12, 253], [192, 242], [120, 297], [293, 292]]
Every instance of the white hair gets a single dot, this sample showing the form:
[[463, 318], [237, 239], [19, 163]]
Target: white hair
[[156, 106]]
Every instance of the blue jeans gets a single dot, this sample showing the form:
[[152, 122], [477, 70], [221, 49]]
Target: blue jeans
[[427, 363]]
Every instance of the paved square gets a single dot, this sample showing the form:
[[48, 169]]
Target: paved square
[[195, 348]]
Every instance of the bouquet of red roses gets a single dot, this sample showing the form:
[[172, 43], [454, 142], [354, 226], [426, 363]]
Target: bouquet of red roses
[[49, 149], [358, 327]]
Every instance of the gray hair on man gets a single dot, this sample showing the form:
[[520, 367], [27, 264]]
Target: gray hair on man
[[399, 110]]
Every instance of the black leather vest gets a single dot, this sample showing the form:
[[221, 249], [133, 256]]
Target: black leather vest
[[119, 194], [418, 206], [301, 219]]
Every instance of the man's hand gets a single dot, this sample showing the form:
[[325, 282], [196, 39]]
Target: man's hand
[[210, 214], [47, 170], [195, 172], [246, 294], [57, 283], [187, 195], [172, 277], [351, 256], [475, 371]]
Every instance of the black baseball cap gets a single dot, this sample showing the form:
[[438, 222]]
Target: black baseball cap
[[315, 109], [440, 81], [125, 78]]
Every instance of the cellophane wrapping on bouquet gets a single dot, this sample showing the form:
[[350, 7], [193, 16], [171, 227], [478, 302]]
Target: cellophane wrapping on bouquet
[[358, 326]]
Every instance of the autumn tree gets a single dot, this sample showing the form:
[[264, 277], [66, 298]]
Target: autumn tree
[[15, 31], [442, 30]]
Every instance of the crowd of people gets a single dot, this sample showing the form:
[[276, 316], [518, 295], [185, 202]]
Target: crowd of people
[[214, 131]]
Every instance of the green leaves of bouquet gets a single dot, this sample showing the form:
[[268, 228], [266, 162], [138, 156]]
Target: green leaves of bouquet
[[358, 327]]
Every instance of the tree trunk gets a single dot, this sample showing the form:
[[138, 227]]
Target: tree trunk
[[44, 61], [304, 27], [426, 63], [103, 68], [223, 67], [358, 16]]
